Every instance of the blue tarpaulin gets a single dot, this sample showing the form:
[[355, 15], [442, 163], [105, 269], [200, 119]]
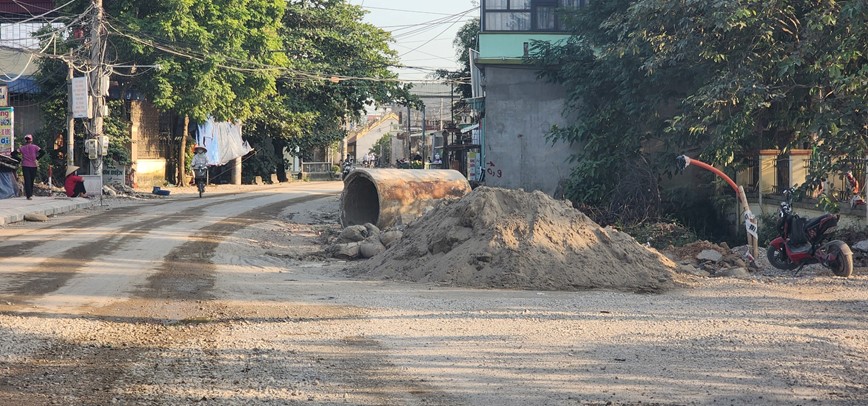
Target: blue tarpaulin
[[8, 185]]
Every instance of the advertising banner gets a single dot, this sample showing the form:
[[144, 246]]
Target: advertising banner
[[473, 165], [4, 96], [114, 174], [7, 130], [81, 107]]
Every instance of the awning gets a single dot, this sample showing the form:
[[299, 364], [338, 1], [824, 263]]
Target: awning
[[469, 129]]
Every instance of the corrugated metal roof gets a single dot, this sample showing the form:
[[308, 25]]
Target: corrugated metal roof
[[24, 85]]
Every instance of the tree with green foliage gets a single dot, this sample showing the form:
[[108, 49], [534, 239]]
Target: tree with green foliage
[[200, 59], [214, 56], [51, 75], [383, 149], [292, 71], [346, 68], [648, 79]]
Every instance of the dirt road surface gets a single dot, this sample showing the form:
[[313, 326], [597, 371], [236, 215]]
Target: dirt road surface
[[226, 300]]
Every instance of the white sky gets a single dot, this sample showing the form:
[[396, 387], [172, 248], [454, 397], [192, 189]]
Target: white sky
[[411, 24]]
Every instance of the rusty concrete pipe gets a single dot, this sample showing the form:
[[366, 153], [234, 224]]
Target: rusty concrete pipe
[[386, 197]]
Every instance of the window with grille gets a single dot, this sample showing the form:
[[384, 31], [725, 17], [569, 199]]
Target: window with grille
[[525, 15]]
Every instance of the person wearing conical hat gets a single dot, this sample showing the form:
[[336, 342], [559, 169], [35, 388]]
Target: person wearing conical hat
[[74, 184], [199, 159]]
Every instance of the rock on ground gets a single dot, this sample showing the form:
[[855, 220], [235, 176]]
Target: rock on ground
[[35, 217]]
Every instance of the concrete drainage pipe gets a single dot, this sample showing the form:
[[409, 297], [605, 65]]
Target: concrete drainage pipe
[[386, 197]]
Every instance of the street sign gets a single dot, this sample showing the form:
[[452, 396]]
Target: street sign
[[7, 130], [81, 106]]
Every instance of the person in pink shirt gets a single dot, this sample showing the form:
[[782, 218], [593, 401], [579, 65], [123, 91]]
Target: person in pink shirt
[[29, 154]]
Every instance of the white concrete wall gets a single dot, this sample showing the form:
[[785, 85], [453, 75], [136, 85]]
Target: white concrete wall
[[150, 173], [367, 141]]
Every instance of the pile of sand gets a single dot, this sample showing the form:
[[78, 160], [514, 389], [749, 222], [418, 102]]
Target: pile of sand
[[499, 238]]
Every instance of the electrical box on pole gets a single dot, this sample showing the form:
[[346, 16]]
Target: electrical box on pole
[[102, 145], [91, 147]]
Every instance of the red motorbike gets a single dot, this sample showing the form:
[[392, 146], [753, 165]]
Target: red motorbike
[[801, 242]]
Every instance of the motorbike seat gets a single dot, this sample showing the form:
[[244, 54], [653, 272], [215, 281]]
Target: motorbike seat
[[799, 248], [813, 222]]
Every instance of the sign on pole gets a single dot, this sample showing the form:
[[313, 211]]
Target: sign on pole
[[4, 96], [7, 130], [81, 106]]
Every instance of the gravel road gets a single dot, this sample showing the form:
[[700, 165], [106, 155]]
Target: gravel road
[[228, 300]]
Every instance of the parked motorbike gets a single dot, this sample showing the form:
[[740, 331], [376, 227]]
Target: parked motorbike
[[201, 174], [801, 242]]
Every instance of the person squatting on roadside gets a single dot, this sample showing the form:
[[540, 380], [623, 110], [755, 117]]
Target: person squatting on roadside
[[28, 154], [74, 184]]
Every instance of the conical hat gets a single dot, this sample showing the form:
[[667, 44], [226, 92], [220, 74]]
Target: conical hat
[[71, 169]]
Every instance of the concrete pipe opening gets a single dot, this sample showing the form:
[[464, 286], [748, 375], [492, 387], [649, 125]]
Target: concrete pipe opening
[[387, 197], [361, 204]]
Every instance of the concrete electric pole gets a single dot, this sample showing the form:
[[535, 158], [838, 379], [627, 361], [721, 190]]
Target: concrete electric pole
[[99, 86], [70, 120]]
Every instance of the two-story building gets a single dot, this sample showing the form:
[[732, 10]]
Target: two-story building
[[518, 109]]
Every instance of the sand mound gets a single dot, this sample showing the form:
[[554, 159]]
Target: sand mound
[[499, 238]]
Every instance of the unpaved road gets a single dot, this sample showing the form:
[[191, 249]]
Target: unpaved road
[[222, 300]]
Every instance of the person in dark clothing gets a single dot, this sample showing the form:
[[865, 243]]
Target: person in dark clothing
[[29, 154]]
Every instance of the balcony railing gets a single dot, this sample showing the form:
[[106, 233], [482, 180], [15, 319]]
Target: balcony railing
[[771, 174]]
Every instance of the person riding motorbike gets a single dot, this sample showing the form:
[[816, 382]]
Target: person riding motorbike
[[348, 166], [200, 167]]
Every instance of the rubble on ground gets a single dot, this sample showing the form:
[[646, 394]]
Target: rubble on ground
[[365, 241], [707, 259], [499, 238], [122, 191], [860, 254], [118, 190]]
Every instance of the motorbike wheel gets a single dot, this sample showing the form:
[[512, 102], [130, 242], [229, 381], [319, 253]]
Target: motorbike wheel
[[779, 259], [201, 187], [843, 264]]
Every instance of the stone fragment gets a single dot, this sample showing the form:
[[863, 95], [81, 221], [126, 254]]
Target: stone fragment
[[736, 272], [35, 217], [861, 246], [709, 255], [372, 230], [346, 251], [391, 237], [371, 247], [692, 270], [354, 234]]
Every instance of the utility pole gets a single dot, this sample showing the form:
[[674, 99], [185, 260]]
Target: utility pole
[[409, 140], [424, 141], [98, 84], [452, 101], [70, 120]]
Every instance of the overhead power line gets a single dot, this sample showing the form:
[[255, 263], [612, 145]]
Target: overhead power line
[[406, 11], [248, 66]]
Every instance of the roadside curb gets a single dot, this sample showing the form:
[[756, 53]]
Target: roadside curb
[[48, 207]]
